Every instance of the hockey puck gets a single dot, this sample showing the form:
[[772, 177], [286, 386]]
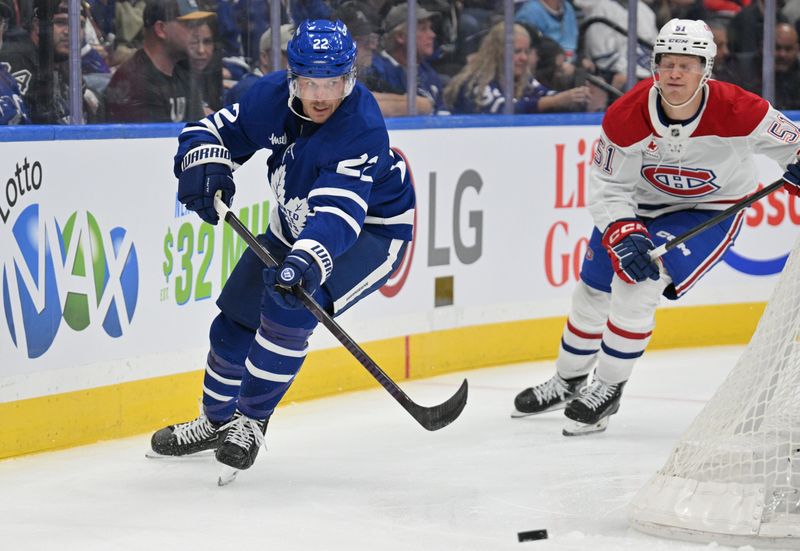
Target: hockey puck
[[532, 535]]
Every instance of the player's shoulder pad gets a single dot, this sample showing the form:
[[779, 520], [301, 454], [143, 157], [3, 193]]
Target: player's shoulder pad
[[363, 109], [730, 111], [627, 121], [356, 128]]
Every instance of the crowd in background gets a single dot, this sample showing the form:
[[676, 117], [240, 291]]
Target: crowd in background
[[178, 60]]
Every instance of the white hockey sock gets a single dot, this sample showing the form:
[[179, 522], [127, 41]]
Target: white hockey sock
[[580, 340], [629, 327]]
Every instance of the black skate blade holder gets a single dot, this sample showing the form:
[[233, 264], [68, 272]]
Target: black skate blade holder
[[431, 418]]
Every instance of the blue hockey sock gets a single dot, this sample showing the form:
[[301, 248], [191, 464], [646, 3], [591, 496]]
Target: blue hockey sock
[[274, 359], [229, 344]]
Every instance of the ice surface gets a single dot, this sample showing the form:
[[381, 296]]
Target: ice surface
[[355, 472]]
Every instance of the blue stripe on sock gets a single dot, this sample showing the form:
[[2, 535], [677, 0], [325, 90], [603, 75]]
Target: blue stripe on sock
[[577, 351], [620, 355]]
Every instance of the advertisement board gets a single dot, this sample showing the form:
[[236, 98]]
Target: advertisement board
[[105, 278]]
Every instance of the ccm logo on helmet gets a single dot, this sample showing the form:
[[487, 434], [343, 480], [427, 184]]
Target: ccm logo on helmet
[[680, 182]]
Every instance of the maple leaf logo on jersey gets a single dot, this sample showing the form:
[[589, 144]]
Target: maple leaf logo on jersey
[[294, 210], [680, 181]]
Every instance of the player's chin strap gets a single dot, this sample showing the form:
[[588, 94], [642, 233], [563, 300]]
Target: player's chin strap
[[687, 102], [291, 106]]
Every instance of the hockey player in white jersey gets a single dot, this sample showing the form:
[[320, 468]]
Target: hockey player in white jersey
[[673, 151]]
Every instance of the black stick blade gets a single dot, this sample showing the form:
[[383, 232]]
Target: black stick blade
[[437, 417]]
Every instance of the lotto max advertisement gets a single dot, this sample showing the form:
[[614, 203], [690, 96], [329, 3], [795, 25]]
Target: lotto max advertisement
[[106, 278]]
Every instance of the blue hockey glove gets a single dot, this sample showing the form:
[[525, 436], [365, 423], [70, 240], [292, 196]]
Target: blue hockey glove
[[628, 244], [792, 178], [299, 268], [205, 171]]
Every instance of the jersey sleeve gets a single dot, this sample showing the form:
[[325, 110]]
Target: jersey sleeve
[[339, 199], [777, 137], [241, 128], [613, 177]]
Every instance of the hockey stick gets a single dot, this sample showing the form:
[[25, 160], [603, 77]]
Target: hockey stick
[[432, 418], [661, 250]]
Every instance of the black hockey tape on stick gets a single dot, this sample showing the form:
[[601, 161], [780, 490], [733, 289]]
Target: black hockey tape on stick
[[431, 418], [661, 250], [532, 535]]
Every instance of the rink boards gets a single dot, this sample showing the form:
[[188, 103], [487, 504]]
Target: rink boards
[[107, 285]]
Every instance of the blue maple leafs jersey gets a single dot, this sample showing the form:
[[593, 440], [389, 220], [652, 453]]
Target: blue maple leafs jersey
[[329, 180]]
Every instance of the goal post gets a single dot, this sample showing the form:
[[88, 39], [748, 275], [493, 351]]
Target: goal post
[[734, 477]]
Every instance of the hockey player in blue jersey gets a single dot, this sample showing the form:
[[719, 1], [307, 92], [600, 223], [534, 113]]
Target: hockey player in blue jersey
[[343, 216]]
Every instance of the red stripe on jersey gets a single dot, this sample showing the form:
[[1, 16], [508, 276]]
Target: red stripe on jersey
[[730, 111], [582, 334], [627, 334], [684, 285]]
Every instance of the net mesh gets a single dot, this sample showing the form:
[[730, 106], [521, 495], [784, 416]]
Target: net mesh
[[749, 432]]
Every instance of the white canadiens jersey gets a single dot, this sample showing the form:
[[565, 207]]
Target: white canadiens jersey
[[643, 167]]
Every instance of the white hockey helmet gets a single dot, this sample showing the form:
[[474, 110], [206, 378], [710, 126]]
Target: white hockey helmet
[[685, 37]]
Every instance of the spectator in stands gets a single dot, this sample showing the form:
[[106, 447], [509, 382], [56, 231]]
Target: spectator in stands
[[680, 9], [103, 12], [605, 40], [725, 7], [363, 26], [390, 64], [478, 88], [723, 69], [556, 19], [152, 86], [12, 107], [362, 23], [18, 23], [746, 29], [129, 29], [787, 68], [264, 65], [205, 67], [45, 88]]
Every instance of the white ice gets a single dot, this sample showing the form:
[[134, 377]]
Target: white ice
[[355, 472]]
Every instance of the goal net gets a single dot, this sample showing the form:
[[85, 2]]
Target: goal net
[[734, 477]]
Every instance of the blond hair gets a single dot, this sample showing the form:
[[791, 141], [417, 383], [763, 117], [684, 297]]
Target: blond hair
[[486, 65]]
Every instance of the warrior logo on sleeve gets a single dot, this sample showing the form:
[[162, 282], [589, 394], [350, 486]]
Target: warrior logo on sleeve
[[680, 181]]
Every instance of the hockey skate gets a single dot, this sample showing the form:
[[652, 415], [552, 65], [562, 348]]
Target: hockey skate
[[551, 395], [589, 412], [243, 437], [185, 439]]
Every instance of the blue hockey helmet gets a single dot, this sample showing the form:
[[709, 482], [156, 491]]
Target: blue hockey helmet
[[321, 49]]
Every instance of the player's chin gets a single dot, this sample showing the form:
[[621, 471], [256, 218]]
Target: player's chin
[[320, 115]]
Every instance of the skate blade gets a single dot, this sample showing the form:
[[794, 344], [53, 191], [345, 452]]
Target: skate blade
[[150, 454], [574, 428], [226, 475], [517, 414]]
